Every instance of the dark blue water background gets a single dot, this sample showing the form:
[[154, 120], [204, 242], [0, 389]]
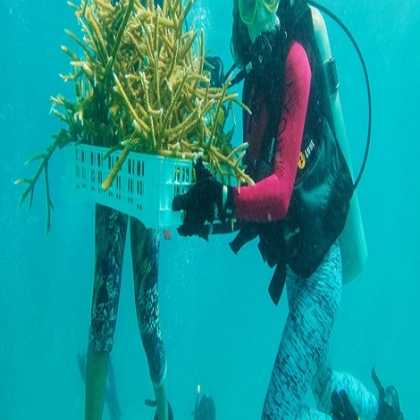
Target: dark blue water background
[[220, 327]]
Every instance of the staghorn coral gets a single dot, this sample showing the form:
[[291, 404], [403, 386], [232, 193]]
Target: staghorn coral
[[141, 85]]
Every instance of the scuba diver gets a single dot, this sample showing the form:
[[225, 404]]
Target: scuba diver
[[298, 206], [110, 238], [205, 409]]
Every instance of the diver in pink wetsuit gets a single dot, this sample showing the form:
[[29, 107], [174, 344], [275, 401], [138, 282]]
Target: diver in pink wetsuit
[[297, 207]]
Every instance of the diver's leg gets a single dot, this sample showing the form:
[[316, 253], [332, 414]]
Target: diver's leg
[[145, 251], [96, 370], [313, 305], [110, 234], [326, 381], [161, 400]]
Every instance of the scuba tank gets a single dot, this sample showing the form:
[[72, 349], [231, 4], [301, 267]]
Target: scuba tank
[[352, 239]]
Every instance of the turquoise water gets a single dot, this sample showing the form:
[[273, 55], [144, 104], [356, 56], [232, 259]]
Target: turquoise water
[[220, 328]]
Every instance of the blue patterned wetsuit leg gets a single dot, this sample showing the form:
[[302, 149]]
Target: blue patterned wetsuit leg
[[302, 356], [110, 234], [145, 252]]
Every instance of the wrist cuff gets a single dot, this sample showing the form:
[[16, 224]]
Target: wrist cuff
[[228, 204]]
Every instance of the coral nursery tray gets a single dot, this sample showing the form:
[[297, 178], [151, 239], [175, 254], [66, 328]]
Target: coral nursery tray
[[143, 188]]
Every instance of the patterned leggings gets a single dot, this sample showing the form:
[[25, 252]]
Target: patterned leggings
[[302, 359], [110, 235]]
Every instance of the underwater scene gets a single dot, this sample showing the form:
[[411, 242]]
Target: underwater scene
[[220, 328]]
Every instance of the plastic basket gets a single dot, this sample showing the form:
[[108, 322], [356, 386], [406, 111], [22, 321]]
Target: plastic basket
[[143, 188]]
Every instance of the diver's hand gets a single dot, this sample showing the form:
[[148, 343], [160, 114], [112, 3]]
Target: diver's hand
[[214, 65], [206, 201]]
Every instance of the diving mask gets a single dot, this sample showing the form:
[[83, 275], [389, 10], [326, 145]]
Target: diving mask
[[248, 9]]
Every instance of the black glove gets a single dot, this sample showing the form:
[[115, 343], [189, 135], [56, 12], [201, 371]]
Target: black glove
[[204, 202], [214, 65]]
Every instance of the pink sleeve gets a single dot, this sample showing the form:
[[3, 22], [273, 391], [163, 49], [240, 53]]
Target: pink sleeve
[[269, 199]]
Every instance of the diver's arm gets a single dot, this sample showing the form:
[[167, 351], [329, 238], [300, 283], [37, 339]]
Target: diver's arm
[[269, 199]]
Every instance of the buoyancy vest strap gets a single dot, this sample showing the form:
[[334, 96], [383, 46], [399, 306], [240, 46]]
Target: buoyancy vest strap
[[272, 252], [275, 289], [247, 232]]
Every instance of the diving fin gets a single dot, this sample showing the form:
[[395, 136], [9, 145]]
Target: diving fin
[[388, 401]]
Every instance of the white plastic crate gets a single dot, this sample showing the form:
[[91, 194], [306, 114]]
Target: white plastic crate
[[143, 188]]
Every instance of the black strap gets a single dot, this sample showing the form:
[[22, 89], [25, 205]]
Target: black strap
[[275, 289]]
